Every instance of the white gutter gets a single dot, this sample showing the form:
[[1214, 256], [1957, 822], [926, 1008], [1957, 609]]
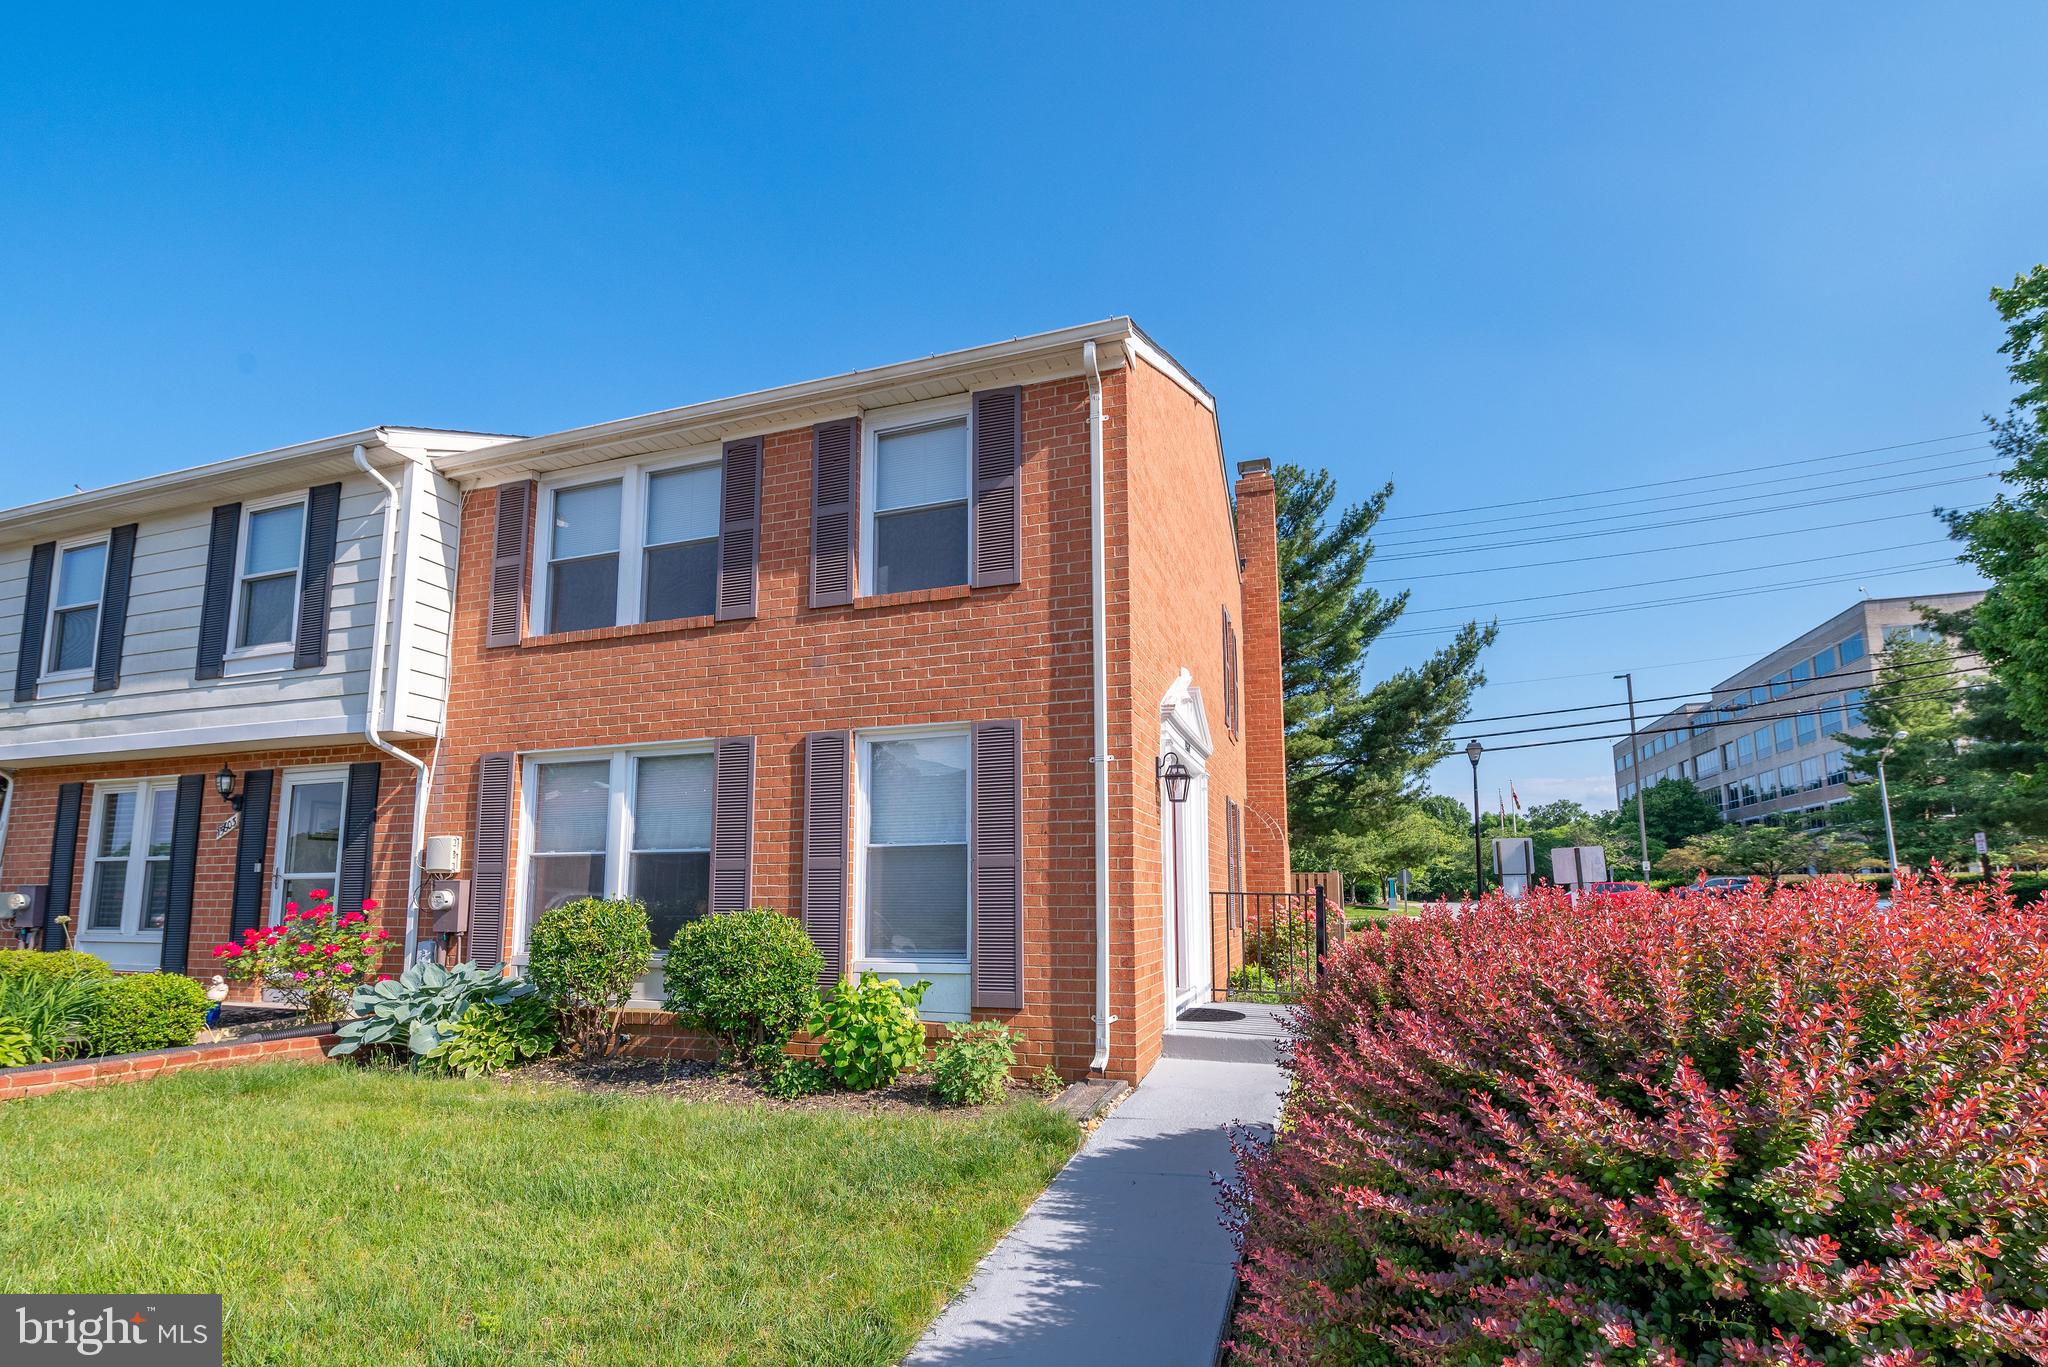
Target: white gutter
[[1098, 596], [374, 701]]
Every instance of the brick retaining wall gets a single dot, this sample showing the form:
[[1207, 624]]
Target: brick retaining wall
[[307, 1043]]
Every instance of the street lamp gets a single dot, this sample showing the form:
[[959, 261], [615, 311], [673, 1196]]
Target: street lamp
[[1473, 750], [1884, 798]]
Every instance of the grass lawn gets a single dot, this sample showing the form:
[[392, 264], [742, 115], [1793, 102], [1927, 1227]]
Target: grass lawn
[[350, 1215]]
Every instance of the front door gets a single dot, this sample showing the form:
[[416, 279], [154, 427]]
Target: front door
[[308, 839], [1184, 855]]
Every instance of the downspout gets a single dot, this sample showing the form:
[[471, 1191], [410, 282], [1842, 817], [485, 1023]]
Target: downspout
[[1099, 656], [374, 700]]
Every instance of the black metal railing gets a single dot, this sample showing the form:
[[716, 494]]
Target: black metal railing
[[1273, 943]]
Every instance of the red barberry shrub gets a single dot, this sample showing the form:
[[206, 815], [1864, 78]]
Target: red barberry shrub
[[1784, 1127]]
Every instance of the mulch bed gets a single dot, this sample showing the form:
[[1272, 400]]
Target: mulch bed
[[691, 1080]]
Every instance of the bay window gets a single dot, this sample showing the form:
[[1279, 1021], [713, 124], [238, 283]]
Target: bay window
[[915, 485], [75, 608]]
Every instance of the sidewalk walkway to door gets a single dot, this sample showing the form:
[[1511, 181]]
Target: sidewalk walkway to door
[[1123, 1259]]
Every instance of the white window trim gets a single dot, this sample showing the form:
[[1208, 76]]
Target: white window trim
[[288, 780], [99, 604], [857, 870], [632, 476], [929, 413], [269, 648], [618, 848], [131, 931]]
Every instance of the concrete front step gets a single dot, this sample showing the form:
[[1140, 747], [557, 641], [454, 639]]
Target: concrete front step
[[1227, 1032]]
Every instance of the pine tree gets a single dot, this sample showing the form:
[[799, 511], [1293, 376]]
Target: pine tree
[[1356, 754], [1916, 727]]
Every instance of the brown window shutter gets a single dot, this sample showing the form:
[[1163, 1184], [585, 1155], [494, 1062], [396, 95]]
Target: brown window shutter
[[828, 771], [490, 870], [1233, 844], [996, 550], [1229, 675], [996, 838], [835, 521], [509, 540], [28, 661], [63, 863], [739, 530], [222, 543], [732, 824]]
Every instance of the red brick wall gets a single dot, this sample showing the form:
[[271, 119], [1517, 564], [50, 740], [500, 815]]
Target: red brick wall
[[31, 822], [1267, 866], [1018, 651], [34, 1080]]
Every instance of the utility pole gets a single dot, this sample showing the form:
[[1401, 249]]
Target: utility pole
[[1635, 761]]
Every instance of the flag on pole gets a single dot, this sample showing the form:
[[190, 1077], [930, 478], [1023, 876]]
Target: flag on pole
[[1516, 798]]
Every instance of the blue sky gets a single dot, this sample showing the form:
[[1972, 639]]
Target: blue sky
[[1491, 253]]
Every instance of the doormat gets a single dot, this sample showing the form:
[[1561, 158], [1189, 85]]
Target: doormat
[[1204, 1014]]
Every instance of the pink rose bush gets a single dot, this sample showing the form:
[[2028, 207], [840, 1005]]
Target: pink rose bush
[[1784, 1127], [314, 958]]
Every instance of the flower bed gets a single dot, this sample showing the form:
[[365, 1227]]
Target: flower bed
[[1784, 1127]]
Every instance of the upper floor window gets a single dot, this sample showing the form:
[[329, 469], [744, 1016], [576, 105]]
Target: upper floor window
[[641, 546], [267, 596], [1851, 650], [1824, 663], [914, 530], [75, 608], [583, 557]]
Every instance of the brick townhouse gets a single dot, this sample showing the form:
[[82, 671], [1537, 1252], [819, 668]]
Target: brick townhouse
[[901, 652]]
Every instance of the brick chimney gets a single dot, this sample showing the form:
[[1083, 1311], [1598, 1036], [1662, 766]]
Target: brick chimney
[[1266, 867]]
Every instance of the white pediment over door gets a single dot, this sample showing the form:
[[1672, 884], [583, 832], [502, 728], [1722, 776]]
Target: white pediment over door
[[1182, 715]]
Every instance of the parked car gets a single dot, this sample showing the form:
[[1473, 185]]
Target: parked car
[[1612, 889]]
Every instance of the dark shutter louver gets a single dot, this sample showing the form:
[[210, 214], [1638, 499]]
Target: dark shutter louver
[[316, 576], [35, 613], [827, 772], [996, 837], [63, 863], [739, 529], [732, 824], [996, 548], [183, 872], [252, 845], [490, 868], [220, 590], [835, 523], [1229, 675], [1233, 846], [358, 832], [106, 659], [506, 621]]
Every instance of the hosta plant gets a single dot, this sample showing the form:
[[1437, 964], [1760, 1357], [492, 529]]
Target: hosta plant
[[1785, 1127], [15, 1045], [312, 957], [490, 1037], [868, 1032], [419, 1008]]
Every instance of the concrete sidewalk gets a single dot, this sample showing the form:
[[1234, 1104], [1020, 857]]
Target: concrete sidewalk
[[1123, 1259]]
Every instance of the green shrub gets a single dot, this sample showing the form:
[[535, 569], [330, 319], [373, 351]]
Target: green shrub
[[585, 956], [63, 963], [52, 1012], [492, 1036], [796, 1077], [14, 1044], [972, 1065], [749, 978], [419, 1008], [141, 1011], [868, 1032], [1048, 1082]]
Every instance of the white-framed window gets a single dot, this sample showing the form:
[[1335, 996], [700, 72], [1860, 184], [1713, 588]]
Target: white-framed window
[[74, 627], [128, 878], [265, 611], [620, 823], [915, 477], [630, 543], [913, 904]]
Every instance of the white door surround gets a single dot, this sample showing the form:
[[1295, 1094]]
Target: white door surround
[[1184, 849]]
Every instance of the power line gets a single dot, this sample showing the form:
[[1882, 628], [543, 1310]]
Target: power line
[[1686, 578], [1612, 609], [1722, 517], [1681, 479], [1660, 550], [1672, 730], [1607, 670], [1833, 682], [1544, 521]]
